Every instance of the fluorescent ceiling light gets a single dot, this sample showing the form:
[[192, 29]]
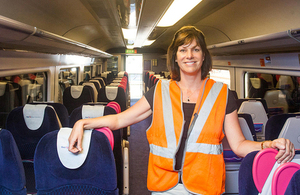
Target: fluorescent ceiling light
[[129, 34], [129, 46], [148, 42], [176, 11]]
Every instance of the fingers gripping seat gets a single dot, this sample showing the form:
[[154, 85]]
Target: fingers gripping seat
[[90, 172], [12, 180]]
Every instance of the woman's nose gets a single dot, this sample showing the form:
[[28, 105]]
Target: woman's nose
[[189, 54]]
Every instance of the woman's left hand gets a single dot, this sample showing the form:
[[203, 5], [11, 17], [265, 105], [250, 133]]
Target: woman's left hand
[[285, 147]]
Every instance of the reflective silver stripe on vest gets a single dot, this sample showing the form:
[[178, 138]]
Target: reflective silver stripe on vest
[[192, 146], [168, 152], [161, 151]]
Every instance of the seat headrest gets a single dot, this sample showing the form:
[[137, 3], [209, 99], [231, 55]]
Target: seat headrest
[[76, 91], [94, 111], [34, 89], [111, 92], [34, 115], [255, 83], [67, 158], [2, 88]]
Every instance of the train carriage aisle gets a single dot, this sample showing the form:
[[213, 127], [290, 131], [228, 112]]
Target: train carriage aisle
[[138, 158]]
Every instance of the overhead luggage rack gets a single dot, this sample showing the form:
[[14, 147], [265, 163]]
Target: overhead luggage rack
[[19, 36], [286, 41]]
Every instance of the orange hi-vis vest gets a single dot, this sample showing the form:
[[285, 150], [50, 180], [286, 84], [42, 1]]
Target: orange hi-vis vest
[[203, 167]]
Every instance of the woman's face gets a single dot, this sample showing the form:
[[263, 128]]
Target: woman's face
[[190, 58]]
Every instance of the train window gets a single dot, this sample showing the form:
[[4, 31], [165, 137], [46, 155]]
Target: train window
[[220, 75], [17, 90], [281, 92], [67, 77]]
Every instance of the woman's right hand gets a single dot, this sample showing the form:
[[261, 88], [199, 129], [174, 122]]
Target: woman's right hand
[[75, 139]]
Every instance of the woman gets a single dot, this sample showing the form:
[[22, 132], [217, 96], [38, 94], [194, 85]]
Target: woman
[[189, 114]]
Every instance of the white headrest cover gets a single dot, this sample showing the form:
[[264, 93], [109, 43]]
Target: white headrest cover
[[114, 84], [104, 74], [111, 92], [67, 158], [34, 89], [76, 91], [24, 82], [2, 88], [92, 111], [34, 115], [121, 74]]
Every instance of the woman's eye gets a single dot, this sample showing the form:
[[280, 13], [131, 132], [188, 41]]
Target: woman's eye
[[182, 50]]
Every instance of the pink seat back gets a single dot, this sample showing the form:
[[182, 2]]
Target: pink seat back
[[115, 106], [282, 177], [262, 166], [108, 134]]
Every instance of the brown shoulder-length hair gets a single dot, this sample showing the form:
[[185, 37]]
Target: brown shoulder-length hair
[[184, 36]]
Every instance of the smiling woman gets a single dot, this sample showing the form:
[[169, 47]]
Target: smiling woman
[[189, 37]]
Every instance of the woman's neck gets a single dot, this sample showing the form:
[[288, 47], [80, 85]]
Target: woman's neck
[[191, 82]]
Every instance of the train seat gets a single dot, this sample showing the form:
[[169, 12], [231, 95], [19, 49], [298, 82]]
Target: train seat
[[285, 82], [5, 97], [60, 110], [95, 91], [96, 83], [275, 124], [291, 131], [91, 110], [97, 110], [259, 116], [258, 88], [24, 86], [250, 124], [276, 101], [35, 92], [75, 96], [113, 93], [263, 101], [269, 176], [232, 161], [28, 124], [246, 182], [59, 171], [293, 187], [261, 174], [101, 81], [12, 180]]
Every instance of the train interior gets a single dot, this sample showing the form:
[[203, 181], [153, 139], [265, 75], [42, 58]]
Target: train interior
[[115, 51]]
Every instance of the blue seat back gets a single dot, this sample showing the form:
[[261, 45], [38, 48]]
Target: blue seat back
[[77, 115], [275, 124], [246, 183], [27, 139], [12, 180], [71, 101], [97, 175], [294, 186]]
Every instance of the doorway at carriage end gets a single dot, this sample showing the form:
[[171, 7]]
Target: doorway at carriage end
[[134, 68]]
